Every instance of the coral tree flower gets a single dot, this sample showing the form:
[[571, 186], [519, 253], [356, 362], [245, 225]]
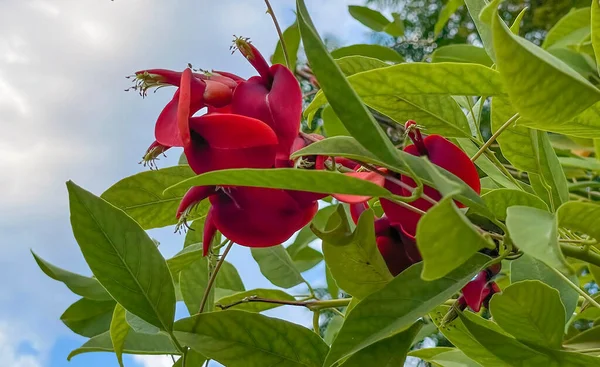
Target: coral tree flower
[[480, 290], [440, 152]]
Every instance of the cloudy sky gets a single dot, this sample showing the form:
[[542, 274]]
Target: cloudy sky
[[64, 115]]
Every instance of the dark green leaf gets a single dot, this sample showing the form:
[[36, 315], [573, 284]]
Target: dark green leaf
[[306, 259], [444, 357], [192, 359], [81, 285], [332, 124], [142, 196], [396, 306], [369, 17], [238, 338], [291, 37], [140, 326], [375, 51], [461, 53], [89, 318], [500, 200], [123, 258], [255, 306], [277, 266]]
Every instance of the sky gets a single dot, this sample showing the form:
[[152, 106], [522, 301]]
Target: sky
[[64, 115]]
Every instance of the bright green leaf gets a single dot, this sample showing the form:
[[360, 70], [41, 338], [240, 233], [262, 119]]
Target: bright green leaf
[[254, 306], [185, 258], [444, 16], [123, 258], [375, 51], [589, 164], [444, 357], [500, 200], [532, 312], [142, 196], [396, 27], [332, 124], [118, 332], [277, 266], [89, 318], [584, 125], [291, 37], [396, 306], [595, 23], [351, 65], [140, 326], [369, 17], [550, 169], [461, 53], [306, 259], [570, 29], [515, 28], [535, 232], [81, 285], [245, 339], [446, 239], [485, 30], [333, 328], [352, 257]]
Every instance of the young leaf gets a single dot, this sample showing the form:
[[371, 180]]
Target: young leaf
[[446, 239], [340, 95], [500, 200], [81, 285], [118, 332], [353, 258], [485, 30], [535, 232], [563, 93], [369, 17], [238, 338], [88, 318], [550, 169], [570, 29], [142, 196], [375, 51], [580, 217], [389, 352], [532, 312], [515, 28], [254, 306], [291, 37], [123, 258], [277, 266], [444, 16], [135, 343], [461, 53], [396, 306], [351, 65]]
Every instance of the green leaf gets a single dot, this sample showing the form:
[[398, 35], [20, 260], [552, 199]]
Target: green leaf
[[123, 258], [81, 285], [528, 268], [570, 29], [326, 182], [142, 196], [444, 357], [194, 278], [389, 352], [238, 338], [306, 259], [369, 17], [291, 37], [578, 61], [332, 287], [351, 65], [526, 67], [195, 233], [500, 200], [595, 23], [587, 339], [192, 359], [550, 169], [535, 232], [532, 312], [277, 266], [88, 318], [485, 30], [363, 49], [118, 332], [486, 165], [584, 125], [342, 146], [343, 99], [135, 343], [461, 53], [332, 124], [184, 258], [352, 257], [139, 325], [444, 16], [305, 236], [515, 28], [255, 306], [580, 217], [396, 27], [446, 239], [396, 306], [590, 164], [333, 328]]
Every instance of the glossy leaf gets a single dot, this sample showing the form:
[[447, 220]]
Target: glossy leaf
[[142, 196], [291, 37], [375, 51], [118, 332], [461, 53], [351, 65], [88, 318], [277, 266], [526, 67], [396, 306], [254, 306], [238, 338], [389, 352], [535, 232], [446, 239], [343, 99], [352, 257], [81, 285], [123, 258], [570, 29], [580, 217], [135, 343], [444, 16], [500, 200], [369, 17], [532, 312], [529, 268]]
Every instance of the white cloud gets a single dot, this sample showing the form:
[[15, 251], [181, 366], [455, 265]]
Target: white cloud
[[10, 340], [154, 361]]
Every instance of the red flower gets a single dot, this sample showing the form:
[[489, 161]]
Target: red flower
[[398, 251], [250, 216], [274, 97], [440, 152], [479, 289]]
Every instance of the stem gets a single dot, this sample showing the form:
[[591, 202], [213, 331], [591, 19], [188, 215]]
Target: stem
[[580, 253], [213, 276], [492, 157], [311, 304], [316, 316], [493, 137], [283, 47], [178, 346], [579, 290]]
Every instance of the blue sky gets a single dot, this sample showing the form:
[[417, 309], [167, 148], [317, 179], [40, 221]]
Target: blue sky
[[64, 115]]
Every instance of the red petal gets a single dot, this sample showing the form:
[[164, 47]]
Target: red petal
[[237, 79], [166, 131], [209, 231], [399, 215], [393, 254], [193, 196], [357, 209], [474, 291], [373, 177], [217, 94]]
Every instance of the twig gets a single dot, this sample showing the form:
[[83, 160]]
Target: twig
[[213, 276], [283, 46], [316, 316], [576, 288], [311, 304], [493, 137]]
